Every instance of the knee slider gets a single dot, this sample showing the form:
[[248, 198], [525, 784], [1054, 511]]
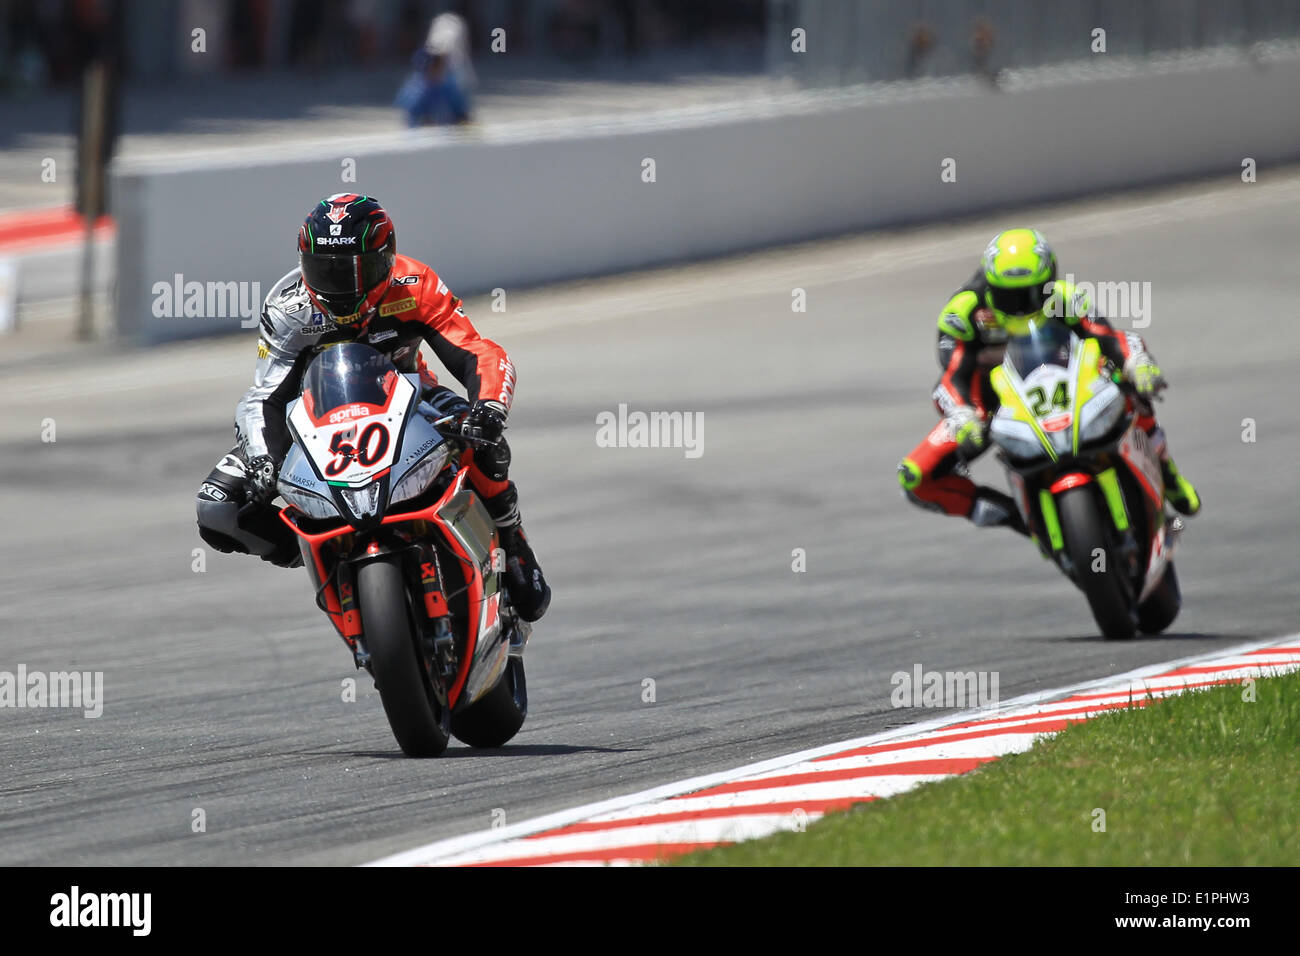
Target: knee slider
[[909, 474], [219, 524]]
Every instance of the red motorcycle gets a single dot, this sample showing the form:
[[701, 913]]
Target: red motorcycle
[[404, 557]]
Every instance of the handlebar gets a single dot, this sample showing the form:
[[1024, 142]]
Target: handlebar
[[1128, 388], [452, 432]]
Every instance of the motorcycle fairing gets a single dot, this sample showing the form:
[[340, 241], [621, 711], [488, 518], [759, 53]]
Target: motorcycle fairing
[[471, 534]]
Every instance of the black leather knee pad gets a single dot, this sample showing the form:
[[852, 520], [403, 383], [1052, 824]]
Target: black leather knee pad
[[220, 496], [217, 505], [219, 522], [222, 542]]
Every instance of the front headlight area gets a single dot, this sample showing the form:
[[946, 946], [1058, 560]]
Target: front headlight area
[[310, 503], [1098, 415], [1017, 438], [416, 481], [362, 502]]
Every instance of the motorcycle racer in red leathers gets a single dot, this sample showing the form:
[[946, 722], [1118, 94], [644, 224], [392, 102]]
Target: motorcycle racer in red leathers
[[351, 285]]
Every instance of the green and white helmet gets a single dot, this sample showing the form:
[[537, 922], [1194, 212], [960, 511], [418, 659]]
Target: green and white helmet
[[1018, 265]]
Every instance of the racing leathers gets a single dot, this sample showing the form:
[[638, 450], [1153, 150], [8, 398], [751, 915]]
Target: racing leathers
[[970, 344], [234, 507]]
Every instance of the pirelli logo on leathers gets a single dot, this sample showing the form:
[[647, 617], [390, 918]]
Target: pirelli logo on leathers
[[263, 350], [402, 305]]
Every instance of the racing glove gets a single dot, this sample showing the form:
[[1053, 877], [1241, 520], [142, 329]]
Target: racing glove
[[1145, 374], [967, 430], [260, 482], [485, 421]]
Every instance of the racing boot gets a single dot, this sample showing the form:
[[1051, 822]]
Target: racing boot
[[529, 592], [1179, 492], [994, 509]]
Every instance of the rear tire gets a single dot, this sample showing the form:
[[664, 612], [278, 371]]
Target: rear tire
[[1160, 608], [1081, 523], [419, 723], [496, 716]]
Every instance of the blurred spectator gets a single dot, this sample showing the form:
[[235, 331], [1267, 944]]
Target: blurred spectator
[[981, 45], [449, 36], [437, 91], [920, 43]]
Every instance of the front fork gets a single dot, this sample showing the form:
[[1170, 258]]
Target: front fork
[[436, 635], [1107, 482], [441, 654], [429, 611]]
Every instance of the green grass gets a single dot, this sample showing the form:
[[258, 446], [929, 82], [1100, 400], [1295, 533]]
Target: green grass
[[1202, 779]]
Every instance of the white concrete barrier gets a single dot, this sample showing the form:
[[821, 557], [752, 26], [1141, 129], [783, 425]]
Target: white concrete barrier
[[525, 204]]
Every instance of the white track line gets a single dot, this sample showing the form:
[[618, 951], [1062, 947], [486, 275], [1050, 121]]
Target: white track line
[[507, 843]]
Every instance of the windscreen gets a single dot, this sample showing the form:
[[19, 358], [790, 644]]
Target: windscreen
[[1046, 343], [348, 374]]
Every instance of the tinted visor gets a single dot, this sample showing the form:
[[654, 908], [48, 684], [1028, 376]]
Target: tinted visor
[[1023, 301], [344, 280]]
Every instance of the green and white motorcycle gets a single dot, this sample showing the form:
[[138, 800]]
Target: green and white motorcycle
[[1086, 478]]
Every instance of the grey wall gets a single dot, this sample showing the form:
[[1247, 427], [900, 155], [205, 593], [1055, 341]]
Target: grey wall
[[552, 202]]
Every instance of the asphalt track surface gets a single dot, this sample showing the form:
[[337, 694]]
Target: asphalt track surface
[[223, 688]]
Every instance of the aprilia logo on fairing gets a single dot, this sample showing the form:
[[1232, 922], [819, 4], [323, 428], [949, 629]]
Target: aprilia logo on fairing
[[349, 413], [83, 689], [75, 909], [960, 689], [651, 430], [207, 300]]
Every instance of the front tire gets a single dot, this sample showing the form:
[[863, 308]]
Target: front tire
[[419, 723], [496, 716], [1162, 605], [1106, 591]]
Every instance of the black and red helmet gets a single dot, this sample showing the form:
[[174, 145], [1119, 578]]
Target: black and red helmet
[[346, 247]]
